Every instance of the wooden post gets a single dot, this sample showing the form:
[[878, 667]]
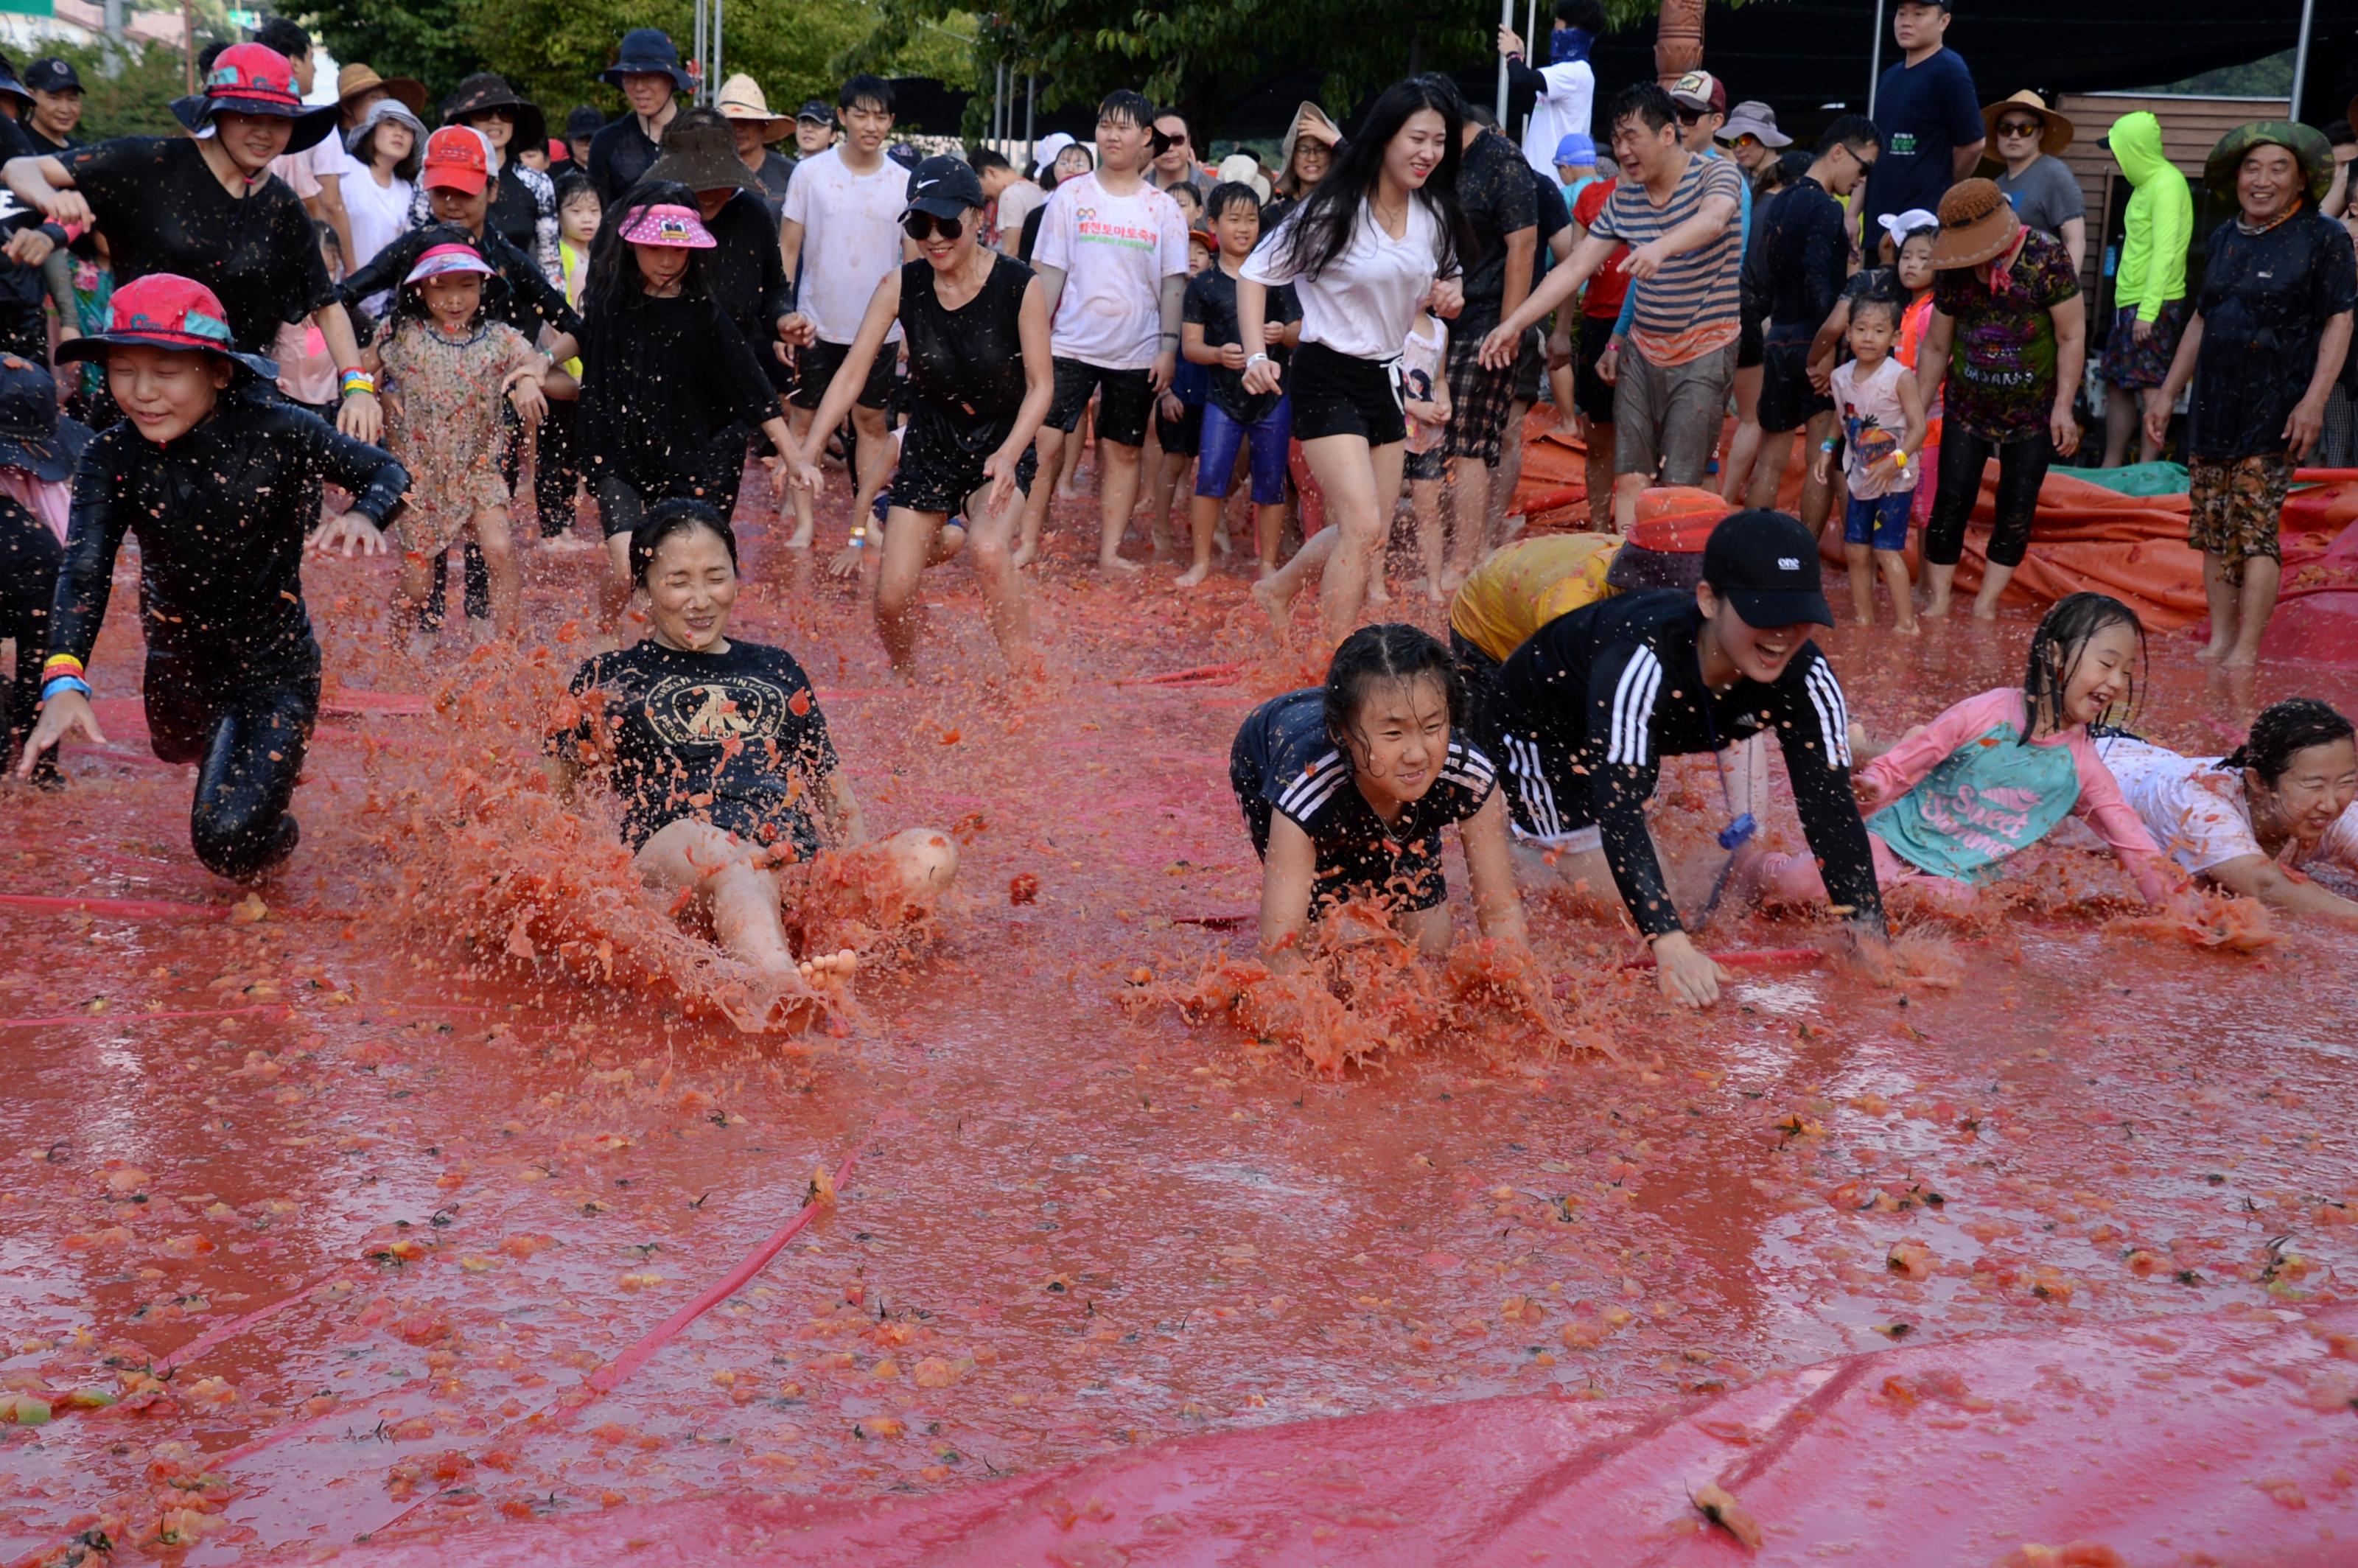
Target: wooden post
[[188, 45], [1678, 40]]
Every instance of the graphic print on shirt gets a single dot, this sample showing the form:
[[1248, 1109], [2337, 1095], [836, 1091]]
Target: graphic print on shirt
[[685, 710]]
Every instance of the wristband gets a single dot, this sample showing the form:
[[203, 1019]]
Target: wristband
[[60, 664], [64, 683], [1253, 359], [860, 538], [1828, 446], [352, 381], [1899, 457]]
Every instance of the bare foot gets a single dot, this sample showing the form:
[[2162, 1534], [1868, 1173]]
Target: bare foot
[[1984, 612], [800, 539], [1865, 620], [1378, 595], [2240, 659], [2213, 653], [1910, 627], [1936, 609], [1278, 607], [829, 971], [1025, 554], [566, 545], [422, 645], [1194, 576], [1118, 565]]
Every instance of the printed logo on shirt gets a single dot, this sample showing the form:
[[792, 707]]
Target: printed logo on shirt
[[1132, 236], [686, 711], [1900, 143]]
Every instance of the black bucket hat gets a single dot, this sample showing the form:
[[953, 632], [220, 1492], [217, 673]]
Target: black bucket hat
[[647, 51], [33, 434], [13, 85], [481, 94], [699, 151]]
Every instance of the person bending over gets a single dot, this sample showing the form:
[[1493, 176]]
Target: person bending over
[[729, 784], [221, 480]]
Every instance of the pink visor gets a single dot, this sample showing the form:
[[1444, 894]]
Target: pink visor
[[440, 261], [674, 228]]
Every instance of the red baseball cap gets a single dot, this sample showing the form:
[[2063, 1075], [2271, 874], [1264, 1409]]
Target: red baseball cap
[[456, 159]]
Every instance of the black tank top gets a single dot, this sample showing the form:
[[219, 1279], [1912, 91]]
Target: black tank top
[[966, 365]]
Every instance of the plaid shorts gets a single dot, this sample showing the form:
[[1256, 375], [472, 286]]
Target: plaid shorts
[[1478, 400], [2238, 508]]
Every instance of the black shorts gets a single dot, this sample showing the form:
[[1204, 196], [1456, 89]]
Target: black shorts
[[711, 476], [1477, 672], [1788, 401], [1123, 414], [1591, 392], [1337, 394], [1749, 342], [814, 368], [1429, 466], [941, 467], [1530, 367], [1182, 437], [1549, 797], [1406, 878]]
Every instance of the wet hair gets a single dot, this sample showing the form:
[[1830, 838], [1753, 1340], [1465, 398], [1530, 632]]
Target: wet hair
[[1227, 195], [865, 91], [573, 183], [409, 301], [1878, 301], [668, 518], [1588, 14], [613, 277], [2340, 135], [1321, 227], [2055, 648], [1126, 105], [982, 160], [1648, 103], [1855, 132], [365, 150], [1387, 651], [279, 33], [2285, 730]]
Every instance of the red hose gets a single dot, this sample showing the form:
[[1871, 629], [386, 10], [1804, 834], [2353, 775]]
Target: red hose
[[279, 1007], [223, 1333], [1189, 677], [128, 908]]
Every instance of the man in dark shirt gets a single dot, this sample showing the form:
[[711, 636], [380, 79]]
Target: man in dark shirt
[[1928, 112], [1588, 709], [649, 74], [57, 106], [1494, 186], [1804, 258]]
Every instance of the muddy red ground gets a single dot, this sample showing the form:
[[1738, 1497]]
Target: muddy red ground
[[1076, 1222]]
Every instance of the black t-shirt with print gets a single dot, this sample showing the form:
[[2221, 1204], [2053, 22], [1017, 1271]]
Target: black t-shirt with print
[[160, 209], [1211, 303], [2265, 301], [1494, 186], [733, 739]]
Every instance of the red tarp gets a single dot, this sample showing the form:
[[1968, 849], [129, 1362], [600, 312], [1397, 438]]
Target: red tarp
[[2226, 1438]]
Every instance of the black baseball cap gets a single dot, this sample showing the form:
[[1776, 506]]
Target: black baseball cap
[[945, 187], [1765, 564], [52, 75], [815, 110]]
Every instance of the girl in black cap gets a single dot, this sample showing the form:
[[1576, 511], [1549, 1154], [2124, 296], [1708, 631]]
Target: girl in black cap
[[980, 377], [37, 453]]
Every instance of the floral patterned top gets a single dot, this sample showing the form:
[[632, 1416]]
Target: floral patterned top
[[445, 417], [2001, 382]]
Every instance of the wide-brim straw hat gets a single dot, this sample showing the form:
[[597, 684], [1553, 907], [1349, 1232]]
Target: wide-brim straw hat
[[2309, 148], [355, 79], [741, 99], [2055, 135], [1977, 224]]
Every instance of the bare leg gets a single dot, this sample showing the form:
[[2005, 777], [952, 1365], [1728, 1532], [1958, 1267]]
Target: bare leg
[[1628, 489], [991, 546], [1165, 486], [1469, 496], [798, 499], [1503, 480], [875, 460], [1768, 468], [1051, 444], [1117, 495], [412, 583], [1744, 451], [2121, 414], [1860, 559], [1993, 580], [1893, 566], [1937, 580], [1068, 475], [1817, 494], [1275, 592], [908, 541], [497, 541], [1361, 485], [2254, 603], [927, 859], [1268, 527], [1598, 470], [1203, 517], [1424, 499], [614, 589], [740, 896]]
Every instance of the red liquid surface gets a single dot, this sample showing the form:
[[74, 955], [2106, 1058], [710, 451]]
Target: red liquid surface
[[1080, 1219]]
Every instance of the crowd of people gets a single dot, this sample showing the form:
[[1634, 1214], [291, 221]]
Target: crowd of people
[[206, 333]]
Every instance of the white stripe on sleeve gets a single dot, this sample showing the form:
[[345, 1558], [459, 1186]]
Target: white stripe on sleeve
[[1633, 708]]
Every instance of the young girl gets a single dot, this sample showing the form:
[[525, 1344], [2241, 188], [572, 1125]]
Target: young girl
[[447, 365], [1233, 418], [1424, 398], [670, 391], [559, 475], [385, 147], [2250, 821], [1362, 250], [1995, 772], [233, 676], [1906, 277], [729, 782], [1345, 789], [307, 370], [1882, 431]]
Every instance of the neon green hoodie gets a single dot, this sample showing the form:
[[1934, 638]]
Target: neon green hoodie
[[2160, 219]]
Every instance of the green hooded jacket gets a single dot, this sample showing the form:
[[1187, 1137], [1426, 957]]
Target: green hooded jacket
[[2160, 219]]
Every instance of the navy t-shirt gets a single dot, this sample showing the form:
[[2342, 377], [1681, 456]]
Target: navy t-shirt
[[1924, 114]]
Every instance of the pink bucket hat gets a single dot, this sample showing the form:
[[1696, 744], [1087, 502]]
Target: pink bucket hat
[[671, 227], [439, 261]]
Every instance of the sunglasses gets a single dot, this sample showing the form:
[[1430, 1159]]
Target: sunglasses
[[1690, 116], [2020, 129], [921, 226]]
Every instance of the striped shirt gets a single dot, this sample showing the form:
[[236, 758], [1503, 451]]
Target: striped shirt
[[1689, 307]]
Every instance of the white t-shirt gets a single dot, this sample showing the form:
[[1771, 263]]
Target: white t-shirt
[[1365, 302], [1115, 252], [852, 240], [2196, 810], [301, 171], [1423, 360], [379, 214], [1563, 110], [1015, 204]]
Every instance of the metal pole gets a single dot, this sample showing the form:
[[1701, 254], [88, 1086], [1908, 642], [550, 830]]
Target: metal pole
[[698, 54], [1506, 19], [1875, 61], [2300, 57], [998, 102], [1531, 52], [718, 7], [1031, 144]]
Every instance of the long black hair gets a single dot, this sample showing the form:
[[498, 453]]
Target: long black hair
[[1321, 225], [1389, 652], [2285, 730], [613, 277], [2055, 648]]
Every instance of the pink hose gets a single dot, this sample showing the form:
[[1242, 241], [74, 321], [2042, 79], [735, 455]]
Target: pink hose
[[143, 1017], [128, 908]]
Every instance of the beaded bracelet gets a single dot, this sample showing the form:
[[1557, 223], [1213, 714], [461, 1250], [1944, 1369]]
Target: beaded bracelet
[[56, 684]]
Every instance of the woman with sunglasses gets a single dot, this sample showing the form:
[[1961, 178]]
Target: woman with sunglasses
[[2030, 138], [976, 326]]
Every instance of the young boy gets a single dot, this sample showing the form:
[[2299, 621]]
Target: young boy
[[1425, 400], [1178, 415], [1234, 419], [1883, 427], [222, 488]]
